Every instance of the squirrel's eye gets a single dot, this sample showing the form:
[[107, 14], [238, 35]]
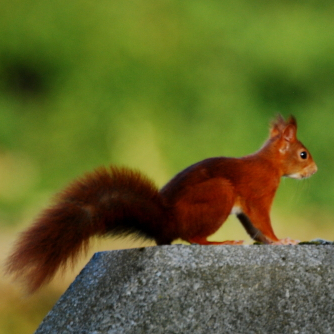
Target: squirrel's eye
[[303, 155]]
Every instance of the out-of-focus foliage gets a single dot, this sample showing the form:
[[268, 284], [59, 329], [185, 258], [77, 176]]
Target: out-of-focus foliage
[[157, 85]]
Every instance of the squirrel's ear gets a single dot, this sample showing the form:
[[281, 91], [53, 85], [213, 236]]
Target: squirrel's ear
[[288, 129], [274, 131], [289, 133], [288, 137]]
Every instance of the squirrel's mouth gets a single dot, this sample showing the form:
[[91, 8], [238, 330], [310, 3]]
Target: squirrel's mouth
[[304, 173], [310, 170]]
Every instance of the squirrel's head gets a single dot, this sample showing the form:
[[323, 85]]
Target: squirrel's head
[[295, 159]]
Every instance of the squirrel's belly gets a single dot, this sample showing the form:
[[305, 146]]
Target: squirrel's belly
[[236, 210]]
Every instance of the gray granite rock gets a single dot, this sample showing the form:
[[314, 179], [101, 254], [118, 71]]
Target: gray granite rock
[[201, 289]]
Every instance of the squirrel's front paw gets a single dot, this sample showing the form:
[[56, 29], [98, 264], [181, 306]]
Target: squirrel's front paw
[[286, 241]]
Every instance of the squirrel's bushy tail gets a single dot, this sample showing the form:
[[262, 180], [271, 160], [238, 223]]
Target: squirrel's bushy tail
[[107, 201]]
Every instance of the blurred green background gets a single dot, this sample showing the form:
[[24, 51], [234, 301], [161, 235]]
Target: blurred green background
[[157, 85]]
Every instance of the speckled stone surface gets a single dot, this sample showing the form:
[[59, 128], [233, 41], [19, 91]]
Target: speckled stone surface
[[200, 289]]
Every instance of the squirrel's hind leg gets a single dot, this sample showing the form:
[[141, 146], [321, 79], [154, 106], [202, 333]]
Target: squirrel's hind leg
[[204, 241], [203, 208]]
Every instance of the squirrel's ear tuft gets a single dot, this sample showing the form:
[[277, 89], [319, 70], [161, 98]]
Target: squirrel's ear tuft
[[292, 121], [278, 126]]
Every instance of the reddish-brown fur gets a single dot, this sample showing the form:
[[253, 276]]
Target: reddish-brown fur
[[191, 206]]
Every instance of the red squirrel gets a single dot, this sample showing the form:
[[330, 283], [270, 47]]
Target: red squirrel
[[191, 206]]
